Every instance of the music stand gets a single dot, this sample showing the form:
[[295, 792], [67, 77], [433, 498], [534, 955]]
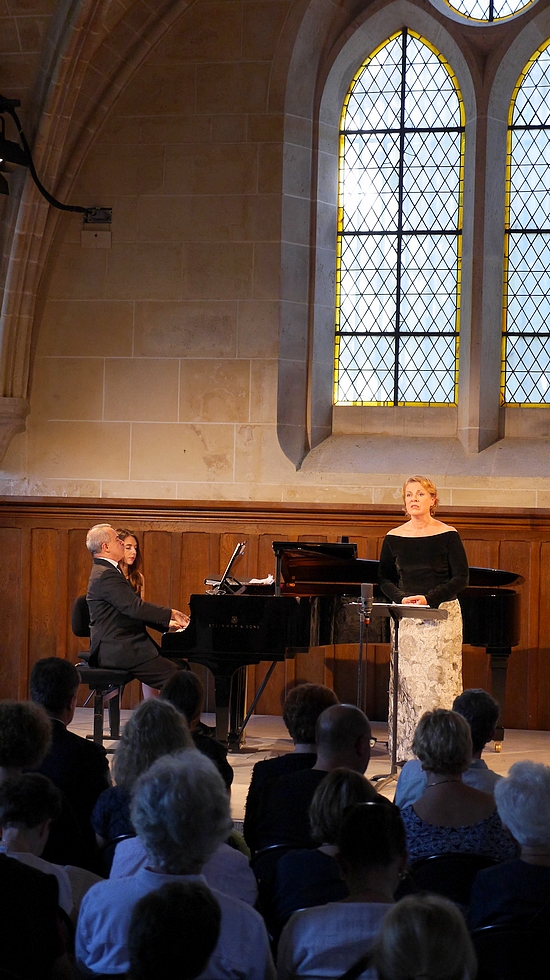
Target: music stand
[[397, 612]]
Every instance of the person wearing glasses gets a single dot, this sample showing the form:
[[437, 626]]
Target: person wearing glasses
[[118, 617]]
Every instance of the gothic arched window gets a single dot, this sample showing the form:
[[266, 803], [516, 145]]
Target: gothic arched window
[[526, 338], [399, 229]]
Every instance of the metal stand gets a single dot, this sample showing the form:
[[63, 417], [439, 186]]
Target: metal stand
[[397, 612]]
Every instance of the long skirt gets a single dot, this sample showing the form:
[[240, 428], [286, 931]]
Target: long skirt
[[430, 672]]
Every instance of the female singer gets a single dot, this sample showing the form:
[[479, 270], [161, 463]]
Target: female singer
[[423, 563]]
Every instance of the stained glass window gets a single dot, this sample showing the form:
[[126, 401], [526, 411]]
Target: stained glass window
[[399, 229], [526, 338], [489, 10]]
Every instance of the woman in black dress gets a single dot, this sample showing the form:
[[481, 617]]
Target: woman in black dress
[[423, 563]]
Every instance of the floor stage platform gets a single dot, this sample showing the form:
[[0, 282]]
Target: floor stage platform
[[267, 736]]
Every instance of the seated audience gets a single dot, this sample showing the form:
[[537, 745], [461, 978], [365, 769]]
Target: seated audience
[[343, 738], [28, 804], [180, 810], [77, 766], [312, 877], [518, 892], [327, 940], [33, 946], [481, 712], [25, 737], [301, 709], [450, 816], [173, 932], [185, 691], [227, 870], [154, 729], [424, 936]]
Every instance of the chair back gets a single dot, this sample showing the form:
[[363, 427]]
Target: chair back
[[451, 875], [80, 617], [509, 951]]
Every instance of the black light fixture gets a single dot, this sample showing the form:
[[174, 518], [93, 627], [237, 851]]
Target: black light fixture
[[20, 155]]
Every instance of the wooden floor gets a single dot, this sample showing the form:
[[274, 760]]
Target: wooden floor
[[267, 736]]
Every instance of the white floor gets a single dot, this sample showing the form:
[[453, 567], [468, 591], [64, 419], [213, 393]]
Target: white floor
[[267, 736]]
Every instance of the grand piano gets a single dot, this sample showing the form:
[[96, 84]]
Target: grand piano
[[313, 602]]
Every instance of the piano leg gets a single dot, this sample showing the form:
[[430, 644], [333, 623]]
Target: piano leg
[[499, 665], [222, 688]]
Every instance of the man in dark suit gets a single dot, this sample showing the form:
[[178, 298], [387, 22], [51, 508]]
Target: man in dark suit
[[78, 767], [118, 617]]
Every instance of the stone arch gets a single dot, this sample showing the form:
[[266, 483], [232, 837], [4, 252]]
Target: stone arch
[[94, 48]]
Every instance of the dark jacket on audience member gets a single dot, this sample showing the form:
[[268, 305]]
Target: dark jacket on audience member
[[262, 774], [284, 810], [31, 937], [511, 892]]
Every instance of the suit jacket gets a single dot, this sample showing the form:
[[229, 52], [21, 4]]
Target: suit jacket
[[79, 768], [118, 618]]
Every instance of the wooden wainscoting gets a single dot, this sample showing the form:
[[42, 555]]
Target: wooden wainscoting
[[45, 566]]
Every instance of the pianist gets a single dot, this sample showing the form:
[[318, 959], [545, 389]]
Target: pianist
[[118, 617]]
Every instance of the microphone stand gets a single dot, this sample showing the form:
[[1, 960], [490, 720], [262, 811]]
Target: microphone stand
[[365, 608], [398, 611]]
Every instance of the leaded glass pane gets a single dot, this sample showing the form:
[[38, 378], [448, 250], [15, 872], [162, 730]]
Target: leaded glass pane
[[489, 9], [525, 373], [400, 224]]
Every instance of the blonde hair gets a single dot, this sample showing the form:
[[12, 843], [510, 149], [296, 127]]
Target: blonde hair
[[427, 485], [443, 742], [424, 937]]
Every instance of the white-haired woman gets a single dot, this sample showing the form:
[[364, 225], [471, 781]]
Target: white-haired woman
[[180, 809], [519, 890]]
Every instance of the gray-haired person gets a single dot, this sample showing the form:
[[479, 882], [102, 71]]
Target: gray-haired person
[[180, 810], [518, 892], [481, 712]]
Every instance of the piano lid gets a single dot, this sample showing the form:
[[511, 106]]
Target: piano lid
[[310, 562]]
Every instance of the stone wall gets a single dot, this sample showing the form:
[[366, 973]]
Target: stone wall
[[173, 363]]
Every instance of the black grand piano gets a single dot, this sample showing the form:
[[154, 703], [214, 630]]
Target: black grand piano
[[311, 603]]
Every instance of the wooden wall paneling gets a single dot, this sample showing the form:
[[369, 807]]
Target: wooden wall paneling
[[44, 606], [476, 668], [12, 643], [516, 554], [492, 538], [482, 553], [157, 566], [543, 653]]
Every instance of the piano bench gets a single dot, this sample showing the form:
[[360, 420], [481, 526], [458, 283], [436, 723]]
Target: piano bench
[[106, 686]]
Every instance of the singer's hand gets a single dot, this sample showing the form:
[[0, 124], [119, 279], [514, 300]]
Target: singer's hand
[[415, 600]]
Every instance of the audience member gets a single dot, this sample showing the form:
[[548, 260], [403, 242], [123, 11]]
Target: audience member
[[180, 810], [343, 739], [173, 932], [32, 939], [154, 729], [424, 936], [301, 709], [77, 766], [450, 816], [518, 891], [25, 737], [481, 712], [28, 804], [329, 939], [185, 691], [308, 877]]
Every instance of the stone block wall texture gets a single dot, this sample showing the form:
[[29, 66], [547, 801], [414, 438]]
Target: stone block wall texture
[[156, 366]]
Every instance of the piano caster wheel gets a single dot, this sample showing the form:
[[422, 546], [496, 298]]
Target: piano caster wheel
[[498, 746]]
